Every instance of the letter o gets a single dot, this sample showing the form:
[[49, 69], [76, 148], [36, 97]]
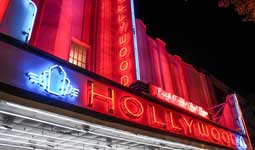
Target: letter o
[[132, 113], [124, 80], [215, 136], [124, 65], [123, 52], [225, 137]]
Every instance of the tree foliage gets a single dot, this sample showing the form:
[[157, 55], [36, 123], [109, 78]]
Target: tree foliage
[[244, 8]]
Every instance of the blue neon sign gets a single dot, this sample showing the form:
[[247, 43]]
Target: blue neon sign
[[54, 81]]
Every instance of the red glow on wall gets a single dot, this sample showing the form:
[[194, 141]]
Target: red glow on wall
[[106, 28], [3, 7]]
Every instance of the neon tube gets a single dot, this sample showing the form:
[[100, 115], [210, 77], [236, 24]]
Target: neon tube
[[138, 76]]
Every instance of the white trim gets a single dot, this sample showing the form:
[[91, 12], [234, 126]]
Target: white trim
[[138, 75], [33, 20]]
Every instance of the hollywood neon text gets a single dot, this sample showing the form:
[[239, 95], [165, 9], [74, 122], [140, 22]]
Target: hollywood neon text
[[122, 105]]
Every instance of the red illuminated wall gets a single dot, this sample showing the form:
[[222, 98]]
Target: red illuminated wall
[[174, 75], [102, 24], [59, 21], [106, 27], [170, 72], [3, 7]]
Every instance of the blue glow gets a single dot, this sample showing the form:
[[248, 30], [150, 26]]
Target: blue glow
[[54, 81], [138, 76], [241, 143], [239, 139], [239, 112]]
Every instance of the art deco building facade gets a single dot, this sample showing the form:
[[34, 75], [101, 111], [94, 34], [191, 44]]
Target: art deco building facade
[[93, 62]]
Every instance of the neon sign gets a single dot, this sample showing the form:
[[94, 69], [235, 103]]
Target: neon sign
[[115, 102], [125, 55], [54, 81], [100, 97], [120, 104], [178, 101]]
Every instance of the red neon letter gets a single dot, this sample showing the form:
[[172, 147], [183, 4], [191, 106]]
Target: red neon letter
[[232, 138], [123, 51], [215, 136], [132, 107], [123, 38], [124, 65], [154, 119], [124, 80], [121, 8], [203, 129], [173, 126], [123, 26], [189, 124], [122, 17], [225, 137], [109, 99]]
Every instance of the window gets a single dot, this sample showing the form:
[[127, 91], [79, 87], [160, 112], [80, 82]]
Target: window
[[78, 53]]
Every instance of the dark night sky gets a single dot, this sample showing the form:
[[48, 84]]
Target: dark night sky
[[205, 36]]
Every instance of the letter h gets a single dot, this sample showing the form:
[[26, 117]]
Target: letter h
[[93, 94]]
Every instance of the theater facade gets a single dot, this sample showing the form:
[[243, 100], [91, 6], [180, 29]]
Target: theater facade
[[84, 74]]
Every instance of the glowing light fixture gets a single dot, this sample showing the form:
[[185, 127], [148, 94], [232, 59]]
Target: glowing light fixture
[[54, 81]]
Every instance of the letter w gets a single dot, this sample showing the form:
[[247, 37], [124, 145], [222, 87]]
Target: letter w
[[203, 129]]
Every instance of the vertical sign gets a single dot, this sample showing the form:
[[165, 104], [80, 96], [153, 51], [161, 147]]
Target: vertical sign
[[126, 43]]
